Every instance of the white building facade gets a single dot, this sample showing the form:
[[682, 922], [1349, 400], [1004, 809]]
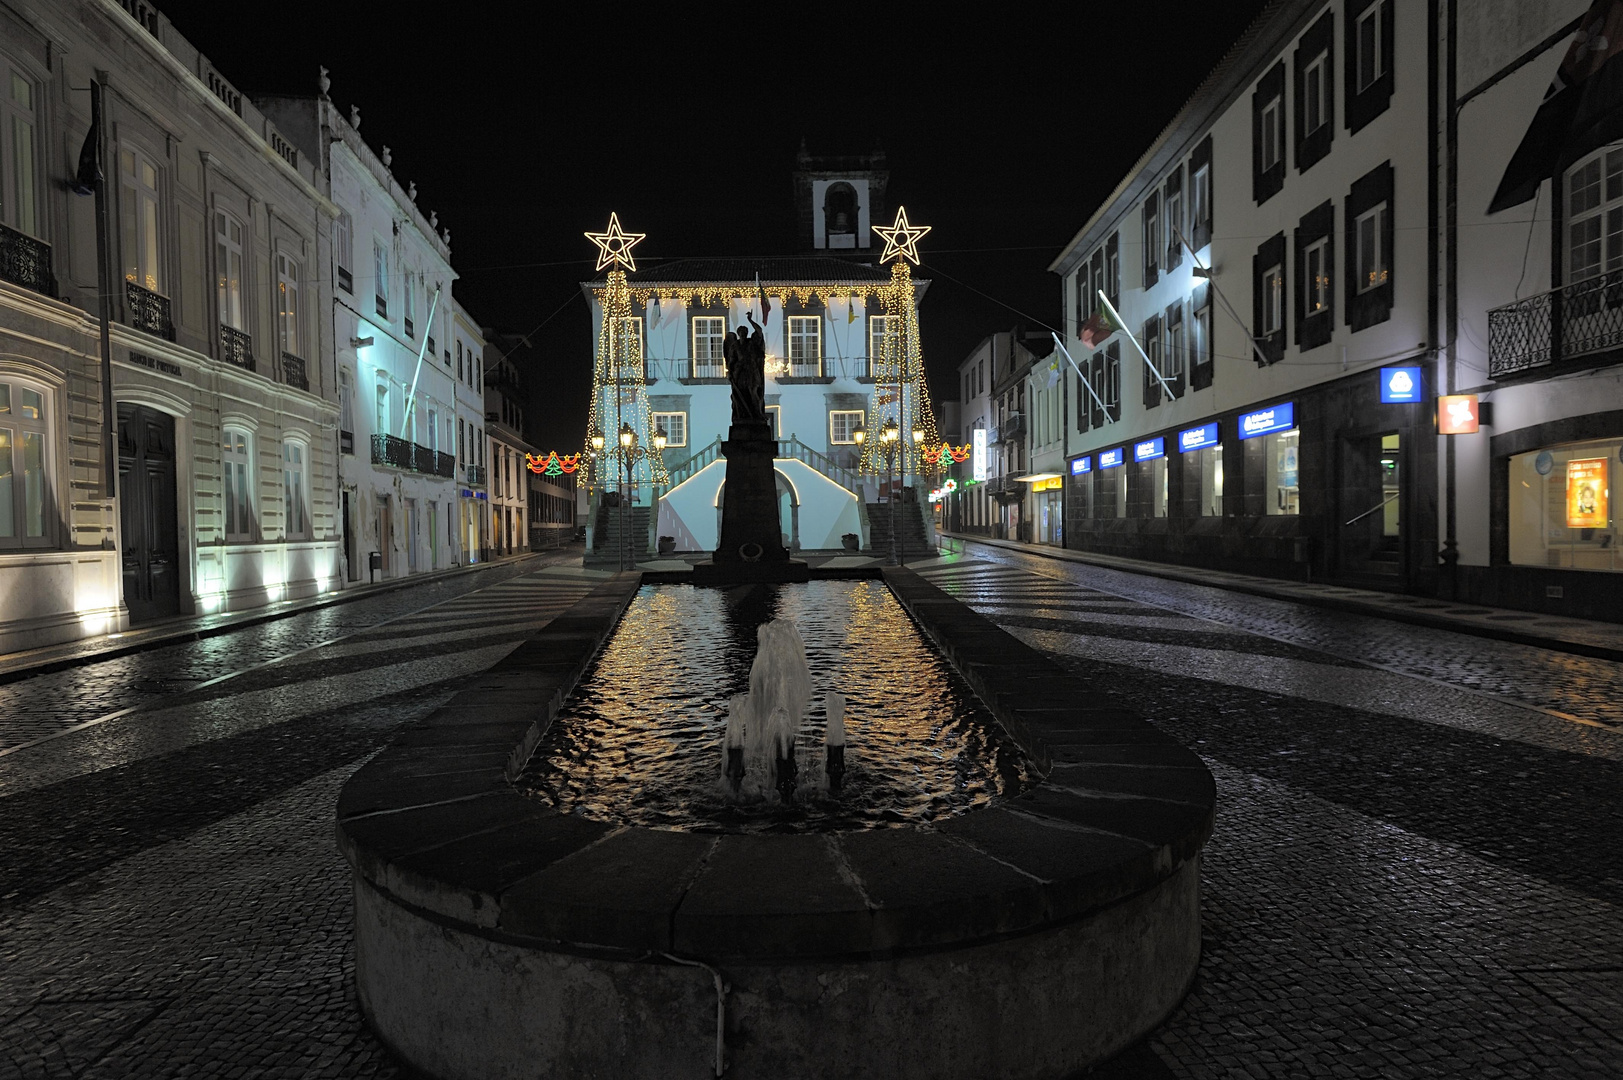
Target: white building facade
[[222, 401], [1310, 223]]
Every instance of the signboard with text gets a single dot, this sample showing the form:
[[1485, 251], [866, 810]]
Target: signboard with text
[[978, 453], [1109, 459], [1278, 418], [1150, 448], [1587, 493], [1081, 465], [1198, 438]]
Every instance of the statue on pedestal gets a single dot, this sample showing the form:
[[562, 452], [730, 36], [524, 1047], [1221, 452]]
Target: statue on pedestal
[[745, 354]]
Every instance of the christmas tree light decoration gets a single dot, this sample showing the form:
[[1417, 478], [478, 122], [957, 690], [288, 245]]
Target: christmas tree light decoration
[[614, 246], [619, 380], [901, 238], [551, 464], [901, 388]]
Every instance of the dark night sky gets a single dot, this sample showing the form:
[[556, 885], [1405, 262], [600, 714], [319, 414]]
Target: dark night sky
[[524, 133]]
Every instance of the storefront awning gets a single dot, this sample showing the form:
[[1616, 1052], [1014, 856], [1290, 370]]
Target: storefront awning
[[1031, 478]]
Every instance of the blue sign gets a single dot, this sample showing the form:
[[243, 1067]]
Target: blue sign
[[1279, 418], [1197, 437], [1109, 459], [1150, 448], [1400, 384], [1081, 465]]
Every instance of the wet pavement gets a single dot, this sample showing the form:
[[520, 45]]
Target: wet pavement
[[1417, 867]]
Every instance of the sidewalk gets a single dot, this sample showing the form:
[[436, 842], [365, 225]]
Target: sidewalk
[[1580, 637], [90, 650]]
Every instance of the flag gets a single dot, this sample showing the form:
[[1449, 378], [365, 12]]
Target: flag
[[1098, 327], [850, 309], [1582, 109], [89, 175], [653, 316], [1053, 374]]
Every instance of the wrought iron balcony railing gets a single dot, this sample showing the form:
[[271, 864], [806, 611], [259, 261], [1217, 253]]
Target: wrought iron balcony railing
[[236, 347], [391, 450], [149, 311], [709, 369], [806, 369], [293, 371], [25, 261], [444, 465], [1570, 322], [475, 475], [1012, 428]]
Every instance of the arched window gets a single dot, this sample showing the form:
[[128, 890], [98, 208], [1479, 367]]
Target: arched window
[[840, 212]]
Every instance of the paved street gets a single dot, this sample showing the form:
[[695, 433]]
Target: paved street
[[1416, 868]]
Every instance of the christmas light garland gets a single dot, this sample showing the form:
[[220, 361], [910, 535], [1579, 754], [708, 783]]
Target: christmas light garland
[[901, 391], [619, 395]]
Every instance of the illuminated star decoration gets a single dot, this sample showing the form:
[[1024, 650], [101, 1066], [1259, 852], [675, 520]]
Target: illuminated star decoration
[[901, 238], [614, 245]]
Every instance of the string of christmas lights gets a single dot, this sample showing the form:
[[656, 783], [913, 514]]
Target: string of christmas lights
[[901, 387], [619, 395]]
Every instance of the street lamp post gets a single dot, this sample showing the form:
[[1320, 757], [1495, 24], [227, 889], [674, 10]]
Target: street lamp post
[[918, 441], [859, 436], [594, 472], [628, 441], [889, 436]]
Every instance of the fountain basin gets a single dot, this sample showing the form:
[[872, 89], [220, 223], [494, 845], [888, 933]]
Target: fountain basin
[[1027, 938]]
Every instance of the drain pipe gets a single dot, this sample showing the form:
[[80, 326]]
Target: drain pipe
[[721, 1008]]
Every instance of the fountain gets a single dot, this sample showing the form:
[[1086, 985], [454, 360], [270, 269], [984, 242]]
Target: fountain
[[607, 857]]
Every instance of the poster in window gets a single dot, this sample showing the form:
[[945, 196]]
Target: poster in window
[[1586, 493]]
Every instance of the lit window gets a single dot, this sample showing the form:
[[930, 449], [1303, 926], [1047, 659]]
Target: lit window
[[1371, 258], [23, 481], [228, 265], [1595, 216], [1316, 277], [842, 423], [234, 470], [287, 305], [805, 345], [1315, 94], [138, 220], [1273, 300], [293, 487], [709, 337], [675, 426]]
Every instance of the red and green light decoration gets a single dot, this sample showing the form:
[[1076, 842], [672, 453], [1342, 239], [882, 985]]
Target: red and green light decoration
[[946, 454], [551, 464]]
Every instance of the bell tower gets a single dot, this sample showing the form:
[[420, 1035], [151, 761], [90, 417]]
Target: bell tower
[[838, 198]]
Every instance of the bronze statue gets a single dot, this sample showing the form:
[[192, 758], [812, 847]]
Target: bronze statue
[[745, 354]]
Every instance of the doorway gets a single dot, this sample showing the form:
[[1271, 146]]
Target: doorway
[[147, 512], [385, 536], [353, 566], [1371, 525]]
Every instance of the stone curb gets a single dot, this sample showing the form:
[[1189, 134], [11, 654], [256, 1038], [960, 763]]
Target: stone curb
[[435, 824], [1332, 603]]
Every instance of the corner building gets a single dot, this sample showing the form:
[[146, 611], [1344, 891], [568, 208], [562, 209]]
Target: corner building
[[1313, 219]]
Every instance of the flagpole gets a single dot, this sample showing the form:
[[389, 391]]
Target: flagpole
[[1085, 380], [411, 398], [1115, 317], [104, 287], [1206, 272]]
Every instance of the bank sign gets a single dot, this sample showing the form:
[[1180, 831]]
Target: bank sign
[[1197, 438], [1399, 384], [1081, 465], [978, 453], [1109, 459], [1150, 448], [1279, 418]]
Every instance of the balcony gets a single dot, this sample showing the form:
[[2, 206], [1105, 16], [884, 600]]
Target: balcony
[[25, 261], [475, 474], [397, 453], [1569, 323], [709, 369], [809, 368], [1012, 429], [149, 311], [293, 372], [236, 347]]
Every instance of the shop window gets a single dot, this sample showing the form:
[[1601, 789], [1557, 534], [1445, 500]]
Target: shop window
[[236, 488], [1560, 507], [25, 488], [1368, 84], [1282, 482], [1314, 67], [1268, 135], [1211, 481], [1156, 473]]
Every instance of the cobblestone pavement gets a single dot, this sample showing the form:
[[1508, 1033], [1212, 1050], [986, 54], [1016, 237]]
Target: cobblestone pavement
[[1416, 869]]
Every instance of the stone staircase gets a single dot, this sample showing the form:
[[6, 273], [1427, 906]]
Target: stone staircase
[[608, 541], [909, 518]]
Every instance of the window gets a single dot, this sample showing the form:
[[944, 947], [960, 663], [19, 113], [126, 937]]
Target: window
[[774, 416], [19, 198], [1371, 259], [1200, 339], [234, 469], [1273, 300], [842, 423], [343, 245], [1211, 481], [382, 415], [228, 265], [1368, 82], [806, 345], [1152, 239], [346, 402], [1281, 455], [1268, 134], [1200, 194], [1176, 354], [287, 305], [138, 219], [459, 361], [1595, 217], [293, 487], [1316, 277], [1080, 295], [1268, 298], [1369, 265], [878, 330], [1152, 349], [1172, 215], [433, 429], [709, 339], [675, 425], [1314, 67], [1561, 513], [408, 293], [1112, 284], [23, 482], [380, 276], [1112, 380], [461, 441], [630, 331]]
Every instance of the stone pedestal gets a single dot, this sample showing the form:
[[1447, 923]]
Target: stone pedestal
[[751, 546]]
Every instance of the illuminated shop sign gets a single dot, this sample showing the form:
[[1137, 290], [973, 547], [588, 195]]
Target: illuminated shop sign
[[1457, 414], [1279, 418], [1399, 384], [1150, 448], [1586, 493], [1109, 459], [978, 453], [1197, 437], [1081, 465]]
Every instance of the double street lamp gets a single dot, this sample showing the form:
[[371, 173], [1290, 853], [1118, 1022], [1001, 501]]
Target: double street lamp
[[890, 437]]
